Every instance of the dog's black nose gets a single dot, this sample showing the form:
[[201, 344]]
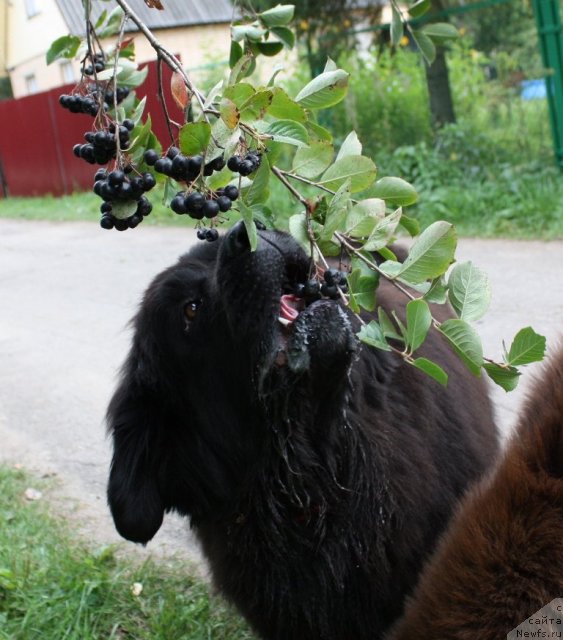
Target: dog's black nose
[[236, 240]]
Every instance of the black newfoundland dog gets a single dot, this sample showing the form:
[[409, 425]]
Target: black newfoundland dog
[[316, 472]]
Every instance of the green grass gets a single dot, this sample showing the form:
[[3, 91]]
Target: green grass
[[55, 587]]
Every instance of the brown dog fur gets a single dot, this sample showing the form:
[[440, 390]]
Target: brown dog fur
[[501, 559]]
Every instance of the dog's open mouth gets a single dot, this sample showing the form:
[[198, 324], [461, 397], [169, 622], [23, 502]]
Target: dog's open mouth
[[290, 307]]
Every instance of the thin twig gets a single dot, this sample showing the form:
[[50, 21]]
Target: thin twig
[[166, 56], [117, 50], [161, 97]]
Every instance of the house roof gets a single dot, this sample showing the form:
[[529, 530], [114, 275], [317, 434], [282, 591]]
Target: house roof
[[177, 13]]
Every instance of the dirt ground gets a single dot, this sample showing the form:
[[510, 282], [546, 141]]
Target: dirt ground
[[67, 291]]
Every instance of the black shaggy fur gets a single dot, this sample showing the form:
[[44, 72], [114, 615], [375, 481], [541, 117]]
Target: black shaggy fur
[[316, 472]]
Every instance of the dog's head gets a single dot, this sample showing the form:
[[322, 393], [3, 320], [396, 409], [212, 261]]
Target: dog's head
[[219, 340]]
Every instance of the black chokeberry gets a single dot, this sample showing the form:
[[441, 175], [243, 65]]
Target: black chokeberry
[[246, 167], [144, 206], [172, 152], [116, 178], [151, 156], [107, 221], [233, 163], [149, 181], [163, 165], [178, 204], [194, 202], [201, 234], [129, 124], [211, 235], [329, 290], [231, 192], [210, 208], [224, 203]]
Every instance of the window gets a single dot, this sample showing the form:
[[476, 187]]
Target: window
[[32, 8], [67, 72], [31, 83]]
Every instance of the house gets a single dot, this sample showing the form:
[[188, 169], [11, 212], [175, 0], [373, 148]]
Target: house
[[196, 30]]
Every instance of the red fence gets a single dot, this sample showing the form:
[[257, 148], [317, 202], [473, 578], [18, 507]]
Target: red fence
[[37, 136]]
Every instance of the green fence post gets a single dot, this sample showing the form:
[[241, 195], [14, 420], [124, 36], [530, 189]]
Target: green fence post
[[551, 45]]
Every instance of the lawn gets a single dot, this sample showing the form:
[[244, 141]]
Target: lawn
[[56, 587]]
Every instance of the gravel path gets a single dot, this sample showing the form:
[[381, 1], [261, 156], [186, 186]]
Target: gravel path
[[67, 291]]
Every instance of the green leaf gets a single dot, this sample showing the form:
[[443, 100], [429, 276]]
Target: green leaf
[[419, 8], [64, 47], [506, 377], [284, 108], [248, 219], [131, 78], [140, 136], [235, 53], [259, 192], [122, 209], [102, 18], [229, 113], [113, 23], [316, 132], [437, 292], [251, 32], [360, 170], [383, 231], [387, 326], [239, 93], [397, 28], [289, 132], [194, 138], [223, 142], [465, 342], [362, 289], [337, 211], [395, 191], [330, 65], [432, 369], [269, 49], [350, 147], [311, 161], [364, 216], [411, 226], [372, 335], [527, 347], [469, 291], [325, 90], [440, 31], [419, 320], [425, 44], [285, 35], [256, 106], [278, 16], [298, 229], [241, 68], [431, 254]]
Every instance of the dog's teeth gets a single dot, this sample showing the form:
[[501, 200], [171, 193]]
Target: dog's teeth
[[284, 321]]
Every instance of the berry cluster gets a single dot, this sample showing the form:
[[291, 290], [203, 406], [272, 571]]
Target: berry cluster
[[198, 206], [207, 234], [117, 186], [334, 283], [98, 64], [180, 167], [79, 104], [245, 165], [101, 146], [112, 99]]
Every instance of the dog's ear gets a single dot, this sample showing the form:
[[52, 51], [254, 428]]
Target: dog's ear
[[134, 495]]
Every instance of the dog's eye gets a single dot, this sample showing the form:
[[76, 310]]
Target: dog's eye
[[190, 309]]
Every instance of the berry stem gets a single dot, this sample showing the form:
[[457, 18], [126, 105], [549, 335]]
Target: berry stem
[[161, 97], [163, 53]]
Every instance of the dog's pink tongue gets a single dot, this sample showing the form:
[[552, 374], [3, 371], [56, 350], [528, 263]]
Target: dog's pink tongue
[[290, 306]]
